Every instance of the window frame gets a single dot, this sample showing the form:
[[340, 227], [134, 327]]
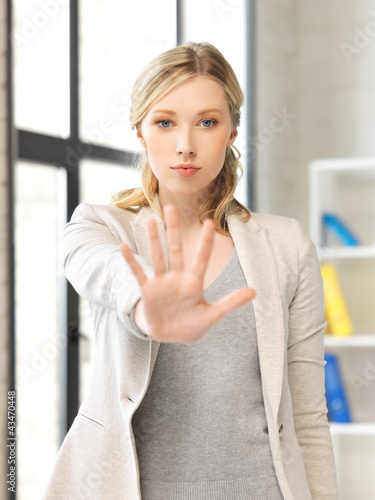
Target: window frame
[[53, 151]]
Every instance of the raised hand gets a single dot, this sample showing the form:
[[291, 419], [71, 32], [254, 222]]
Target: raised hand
[[172, 307]]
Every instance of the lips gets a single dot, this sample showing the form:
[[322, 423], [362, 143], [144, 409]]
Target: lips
[[185, 171], [186, 166]]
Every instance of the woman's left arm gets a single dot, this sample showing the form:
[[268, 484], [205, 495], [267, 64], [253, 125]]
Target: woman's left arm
[[306, 372]]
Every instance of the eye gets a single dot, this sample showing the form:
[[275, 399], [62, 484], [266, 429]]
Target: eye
[[163, 121], [214, 122]]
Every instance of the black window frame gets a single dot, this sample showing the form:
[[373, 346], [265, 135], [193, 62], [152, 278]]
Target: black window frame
[[52, 151]]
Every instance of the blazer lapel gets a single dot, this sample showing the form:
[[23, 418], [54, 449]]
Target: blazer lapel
[[258, 264]]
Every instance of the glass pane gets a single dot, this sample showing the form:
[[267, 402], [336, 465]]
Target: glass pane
[[117, 40], [97, 181], [39, 345], [41, 66]]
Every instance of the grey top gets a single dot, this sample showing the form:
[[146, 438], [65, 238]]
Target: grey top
[[201, 430]]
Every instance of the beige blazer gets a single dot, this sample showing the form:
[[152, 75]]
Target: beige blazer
[[97, 460]]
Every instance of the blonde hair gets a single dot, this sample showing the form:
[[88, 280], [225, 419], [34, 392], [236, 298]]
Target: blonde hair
[[161, 75]]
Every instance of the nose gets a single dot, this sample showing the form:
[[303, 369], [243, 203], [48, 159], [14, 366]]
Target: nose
[[185, 143]]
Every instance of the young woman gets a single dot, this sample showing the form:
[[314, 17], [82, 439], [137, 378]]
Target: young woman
[[209, 375]]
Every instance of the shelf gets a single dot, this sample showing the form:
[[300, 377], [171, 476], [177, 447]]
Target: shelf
[[360, 252], [343, 164], [349, 341], [345, 187], [354, 429]]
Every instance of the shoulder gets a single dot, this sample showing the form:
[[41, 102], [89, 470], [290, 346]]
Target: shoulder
[[285, 235], [109, 215], [103, 218], [101, 211], [277, 225], [270, 221]]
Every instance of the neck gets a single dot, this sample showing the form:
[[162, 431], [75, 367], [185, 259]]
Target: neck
[[188, 209]]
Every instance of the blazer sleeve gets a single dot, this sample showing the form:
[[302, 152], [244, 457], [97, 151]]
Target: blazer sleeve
[[306, 372], [93, 263]]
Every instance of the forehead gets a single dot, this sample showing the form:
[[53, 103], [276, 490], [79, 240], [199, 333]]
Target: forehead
[[193, 95]]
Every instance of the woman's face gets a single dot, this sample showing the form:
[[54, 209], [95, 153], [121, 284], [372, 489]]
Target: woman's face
[[190, 125]]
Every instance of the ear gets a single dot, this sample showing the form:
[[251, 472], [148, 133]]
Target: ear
[[140, 136], [232, 137]]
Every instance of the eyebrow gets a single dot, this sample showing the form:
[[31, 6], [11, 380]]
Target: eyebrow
[[203, 112]]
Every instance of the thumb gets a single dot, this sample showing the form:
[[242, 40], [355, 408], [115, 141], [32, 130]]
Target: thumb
[[232, 301]]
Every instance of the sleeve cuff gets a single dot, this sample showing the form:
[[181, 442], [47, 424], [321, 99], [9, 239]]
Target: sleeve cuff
[[135, 327]]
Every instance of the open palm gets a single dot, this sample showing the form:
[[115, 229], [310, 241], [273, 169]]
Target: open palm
[[172, 303]]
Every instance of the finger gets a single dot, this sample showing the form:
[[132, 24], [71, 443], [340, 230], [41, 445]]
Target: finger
[[173, 238], [203, 253], [157, 256], [230, 302], [133, 264]]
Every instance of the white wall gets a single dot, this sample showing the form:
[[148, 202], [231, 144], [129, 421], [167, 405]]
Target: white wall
[[222, 23], [279, 184], [304, 66]]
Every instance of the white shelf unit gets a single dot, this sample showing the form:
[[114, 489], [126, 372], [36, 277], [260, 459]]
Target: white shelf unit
[[356, 429], [361, 170], [346, 188], [351, 341], [362, 252]]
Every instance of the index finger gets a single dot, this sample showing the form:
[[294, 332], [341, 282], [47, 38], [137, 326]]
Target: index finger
[[203, 252], [133, 264]]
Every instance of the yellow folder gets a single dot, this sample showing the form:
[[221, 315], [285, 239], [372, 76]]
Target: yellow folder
[[336, 312]]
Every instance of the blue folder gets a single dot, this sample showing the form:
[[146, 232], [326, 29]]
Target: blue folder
[[337, 404], [340, 230]]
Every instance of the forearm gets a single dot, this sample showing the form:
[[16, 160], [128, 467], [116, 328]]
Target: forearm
[[312, 427], [93, 263]]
